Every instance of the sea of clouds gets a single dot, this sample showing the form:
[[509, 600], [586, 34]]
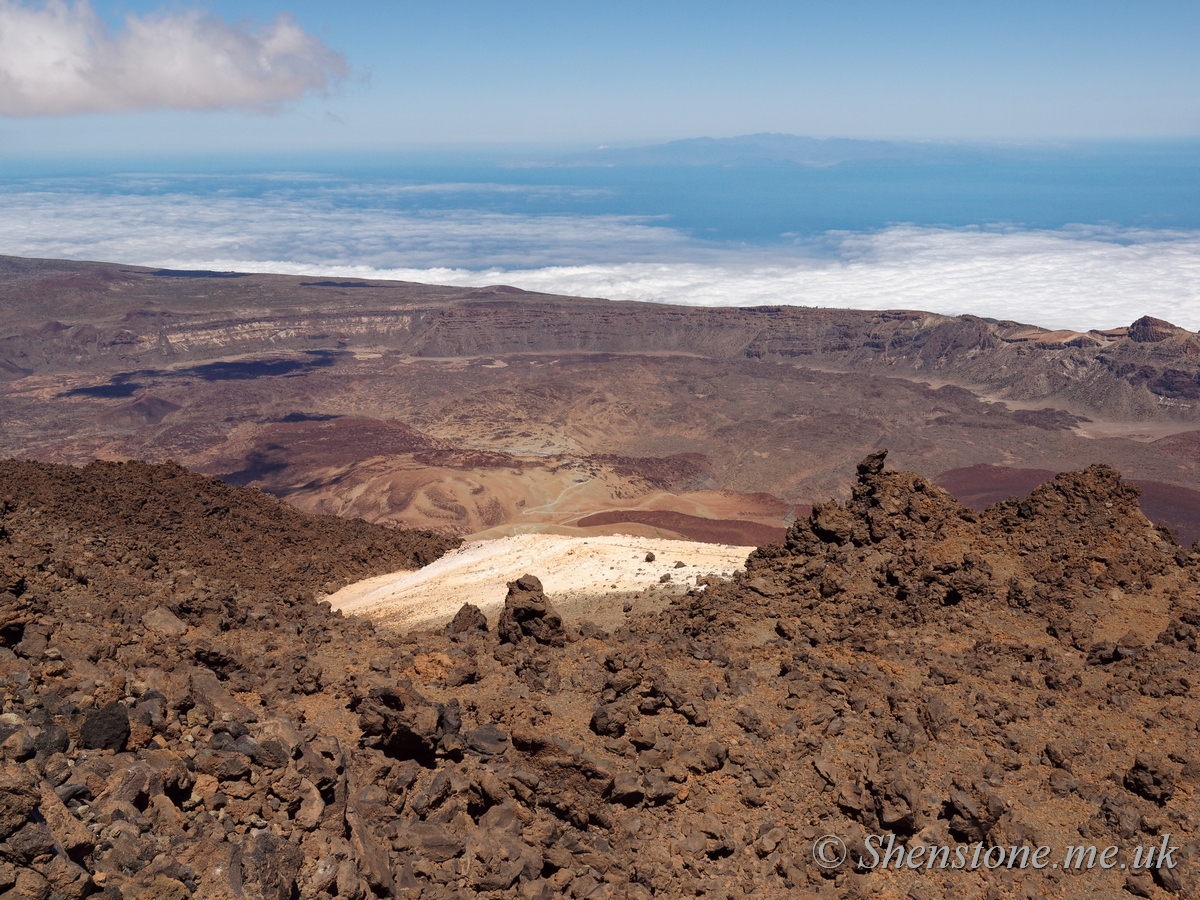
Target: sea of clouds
[[1076, 277]]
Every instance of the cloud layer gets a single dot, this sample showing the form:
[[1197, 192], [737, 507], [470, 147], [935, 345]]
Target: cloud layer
[[1071, 278], [61, 59], [317, 223], [1050, 279]]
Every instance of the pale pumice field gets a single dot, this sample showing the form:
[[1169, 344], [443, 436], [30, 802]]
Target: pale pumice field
[[585, 578]]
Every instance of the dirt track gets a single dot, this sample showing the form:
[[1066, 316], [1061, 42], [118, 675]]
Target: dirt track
[[590, 578]]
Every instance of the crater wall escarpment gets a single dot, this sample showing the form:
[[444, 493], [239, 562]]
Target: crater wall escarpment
[[1146, 371], [492, 411]]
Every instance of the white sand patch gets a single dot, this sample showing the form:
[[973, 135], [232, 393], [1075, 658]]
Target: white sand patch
[[583, 577]]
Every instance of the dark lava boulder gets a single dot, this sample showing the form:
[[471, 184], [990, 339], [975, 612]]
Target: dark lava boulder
[[469, 618], [529, 615], [106, 729]]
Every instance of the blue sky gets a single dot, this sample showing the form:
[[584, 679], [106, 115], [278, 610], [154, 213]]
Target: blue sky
[[379, 75], [361, 139]]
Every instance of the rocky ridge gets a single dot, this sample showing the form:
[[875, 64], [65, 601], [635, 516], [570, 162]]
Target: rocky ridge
[[181, 721], [128, 314]]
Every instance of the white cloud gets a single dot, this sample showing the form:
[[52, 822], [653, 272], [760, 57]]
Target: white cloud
[[1051, 279], [317, 225], [61, 59], [1075, 278]]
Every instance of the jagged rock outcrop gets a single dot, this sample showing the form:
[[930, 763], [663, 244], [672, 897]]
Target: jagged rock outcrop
[[528, 615], [1149, 330]]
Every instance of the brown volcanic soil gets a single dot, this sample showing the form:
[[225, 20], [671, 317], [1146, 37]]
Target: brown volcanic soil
[[194, 515], [473, 411], [693, 528], [979, 486], [900, 666]]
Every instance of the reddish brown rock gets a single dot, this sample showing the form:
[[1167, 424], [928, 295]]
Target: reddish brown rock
[[528, 614], [900, 665]]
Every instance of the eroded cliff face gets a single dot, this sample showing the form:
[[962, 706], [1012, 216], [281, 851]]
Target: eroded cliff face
[[87, 317], [178, 723]]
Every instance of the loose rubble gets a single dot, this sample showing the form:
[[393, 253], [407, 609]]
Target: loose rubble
[[182, 716]]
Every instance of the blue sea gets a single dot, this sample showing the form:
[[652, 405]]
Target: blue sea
[[1085, 237]]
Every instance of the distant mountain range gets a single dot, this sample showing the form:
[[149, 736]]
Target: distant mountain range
[[755, 150]]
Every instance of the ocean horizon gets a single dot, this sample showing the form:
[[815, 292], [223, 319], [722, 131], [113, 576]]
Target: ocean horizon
[[1088, 237]]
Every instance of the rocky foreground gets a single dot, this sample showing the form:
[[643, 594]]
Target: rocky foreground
[[183, 718]]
